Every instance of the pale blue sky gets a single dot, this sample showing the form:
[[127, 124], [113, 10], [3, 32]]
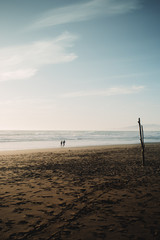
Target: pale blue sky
[[79, 64]]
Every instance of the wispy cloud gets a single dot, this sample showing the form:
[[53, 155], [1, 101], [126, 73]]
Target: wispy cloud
[[27, 103], [107, 92], [85, 11], [24, 61]]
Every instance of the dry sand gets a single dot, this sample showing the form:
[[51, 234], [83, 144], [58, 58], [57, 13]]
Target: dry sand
[[80, 193]]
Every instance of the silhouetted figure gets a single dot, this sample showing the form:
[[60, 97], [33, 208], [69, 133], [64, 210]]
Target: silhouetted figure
[[64, 143], [61, 143]]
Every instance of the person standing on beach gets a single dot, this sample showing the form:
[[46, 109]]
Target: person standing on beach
[[61, 143], [64, 143]]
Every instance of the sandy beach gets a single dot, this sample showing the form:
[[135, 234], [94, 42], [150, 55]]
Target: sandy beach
[[80, 193]]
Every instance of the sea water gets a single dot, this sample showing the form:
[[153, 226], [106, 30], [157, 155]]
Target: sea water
[[18, 140]]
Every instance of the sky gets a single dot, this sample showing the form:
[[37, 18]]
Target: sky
[[79, 64]]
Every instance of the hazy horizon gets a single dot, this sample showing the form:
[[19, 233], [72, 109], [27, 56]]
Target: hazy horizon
[[147, 127], [79, 65]]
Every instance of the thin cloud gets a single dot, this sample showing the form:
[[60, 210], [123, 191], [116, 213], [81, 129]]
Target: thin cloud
[[107, 92], [24, 61], [22, 103], [86, 11]]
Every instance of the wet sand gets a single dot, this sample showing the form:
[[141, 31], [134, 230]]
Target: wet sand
[[80, 193]]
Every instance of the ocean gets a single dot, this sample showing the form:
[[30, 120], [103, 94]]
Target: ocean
[[20, 140]]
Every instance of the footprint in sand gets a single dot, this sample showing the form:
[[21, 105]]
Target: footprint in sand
[[23, 222], [9, 223]]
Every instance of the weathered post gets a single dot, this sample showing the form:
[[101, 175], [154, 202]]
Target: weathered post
[[141, 140]]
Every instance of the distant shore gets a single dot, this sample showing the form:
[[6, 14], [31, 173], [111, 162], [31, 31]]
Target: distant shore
[[100, 192]]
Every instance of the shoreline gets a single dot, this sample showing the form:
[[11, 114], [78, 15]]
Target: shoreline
[[65, 149]]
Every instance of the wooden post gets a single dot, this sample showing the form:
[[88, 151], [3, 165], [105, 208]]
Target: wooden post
[[141, 140]]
